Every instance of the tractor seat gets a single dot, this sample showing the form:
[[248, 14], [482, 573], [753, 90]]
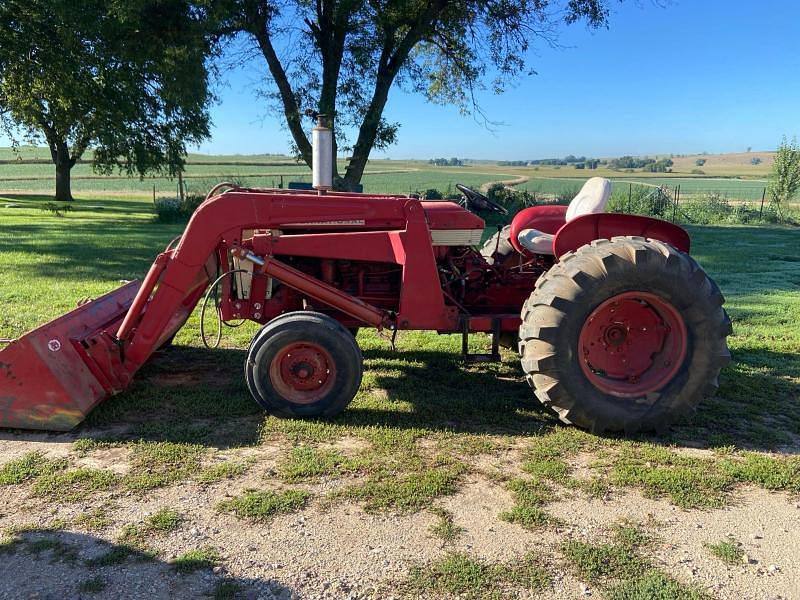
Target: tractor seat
[[592, 199]]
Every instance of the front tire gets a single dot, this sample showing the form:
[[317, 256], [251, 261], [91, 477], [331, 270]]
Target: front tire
[[303, 364], [626, 334]]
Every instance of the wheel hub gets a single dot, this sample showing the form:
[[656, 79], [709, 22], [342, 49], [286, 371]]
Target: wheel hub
[[302, 372], [632, 344]]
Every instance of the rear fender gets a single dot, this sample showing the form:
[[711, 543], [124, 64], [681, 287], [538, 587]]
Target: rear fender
[[587, 228]]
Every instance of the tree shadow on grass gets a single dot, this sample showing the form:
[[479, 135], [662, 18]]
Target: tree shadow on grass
[[106, 205], [82, 250], [63, 564]]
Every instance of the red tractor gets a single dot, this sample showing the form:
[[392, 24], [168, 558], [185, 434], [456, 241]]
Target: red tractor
[[618, 328]]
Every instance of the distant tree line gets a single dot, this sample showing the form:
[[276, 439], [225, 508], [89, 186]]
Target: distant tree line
[[579, 162], [651, 165], [446, 162]]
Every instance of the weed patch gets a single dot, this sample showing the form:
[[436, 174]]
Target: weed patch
[[28, 467], [654, 585], [156, 464], [307, 463], [621, 569], [60, 551], [220, 471], [445, 527], [530, 496], [263, 505], [94, 585], [692, 482], [75, 484], [189, 562], [460, 575], [95, 519], [407, 492], [727, 551], [163, 520]]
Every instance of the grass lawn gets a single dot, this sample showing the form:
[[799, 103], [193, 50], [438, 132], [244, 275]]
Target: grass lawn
[[421, 421]]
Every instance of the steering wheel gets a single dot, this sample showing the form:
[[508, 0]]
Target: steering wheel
[[477, 201]]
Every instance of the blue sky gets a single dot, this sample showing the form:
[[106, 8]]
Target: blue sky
[[698, 75]]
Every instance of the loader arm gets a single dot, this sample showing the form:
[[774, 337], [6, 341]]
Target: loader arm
[[53, 376]]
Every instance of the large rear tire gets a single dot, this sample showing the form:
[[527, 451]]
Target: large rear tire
[[626, 334], [303, 364]]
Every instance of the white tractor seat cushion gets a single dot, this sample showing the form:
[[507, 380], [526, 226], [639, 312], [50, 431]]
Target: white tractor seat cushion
[[536, 241], [592, 199]]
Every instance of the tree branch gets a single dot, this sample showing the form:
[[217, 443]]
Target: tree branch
[[292, 112]]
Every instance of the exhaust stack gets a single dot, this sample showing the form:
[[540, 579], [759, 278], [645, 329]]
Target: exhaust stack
[[322, 154]]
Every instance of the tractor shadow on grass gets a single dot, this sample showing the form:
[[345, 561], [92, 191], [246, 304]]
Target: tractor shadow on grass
[[195, 395], [757, 406], [65, 564]]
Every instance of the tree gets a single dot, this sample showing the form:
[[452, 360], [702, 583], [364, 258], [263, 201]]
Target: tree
[[343, 57], [125, 77], [784, 182]]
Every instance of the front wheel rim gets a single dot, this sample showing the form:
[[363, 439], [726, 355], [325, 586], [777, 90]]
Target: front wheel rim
[[633, 344], [302, 372]]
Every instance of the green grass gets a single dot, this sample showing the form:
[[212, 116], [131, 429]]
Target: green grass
[[95, 519], [445, 527], [225, 470], [93, 585], [194, 560], [28, 467], [116, 555], [263, 505], [728, 551], [60, 551], [164, 520], [74, 485], [693, 482], [306, 463], [406, 492], [460, 575], [530, 498], [155, 464], [654, 585], [226, 589], [622, 568]]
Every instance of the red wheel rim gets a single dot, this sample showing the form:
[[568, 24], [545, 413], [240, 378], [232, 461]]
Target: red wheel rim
[[302, 372], [632, 344]]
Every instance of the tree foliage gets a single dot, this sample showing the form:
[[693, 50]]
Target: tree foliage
[[343, 57], [125, 77], [784, 181]]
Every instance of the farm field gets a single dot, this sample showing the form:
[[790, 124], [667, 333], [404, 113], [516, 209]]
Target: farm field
[[440, 480], [736, 179]]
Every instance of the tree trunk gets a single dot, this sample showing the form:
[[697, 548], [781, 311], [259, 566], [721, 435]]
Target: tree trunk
[[63, 188]]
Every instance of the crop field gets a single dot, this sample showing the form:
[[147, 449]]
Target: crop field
[[439, 481], [381, 176]]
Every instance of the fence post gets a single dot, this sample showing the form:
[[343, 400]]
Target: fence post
[[675, 204], [154, 193], [761, 210], [180, 184]]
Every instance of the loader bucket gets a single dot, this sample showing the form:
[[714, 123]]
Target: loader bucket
[[51, 377]]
